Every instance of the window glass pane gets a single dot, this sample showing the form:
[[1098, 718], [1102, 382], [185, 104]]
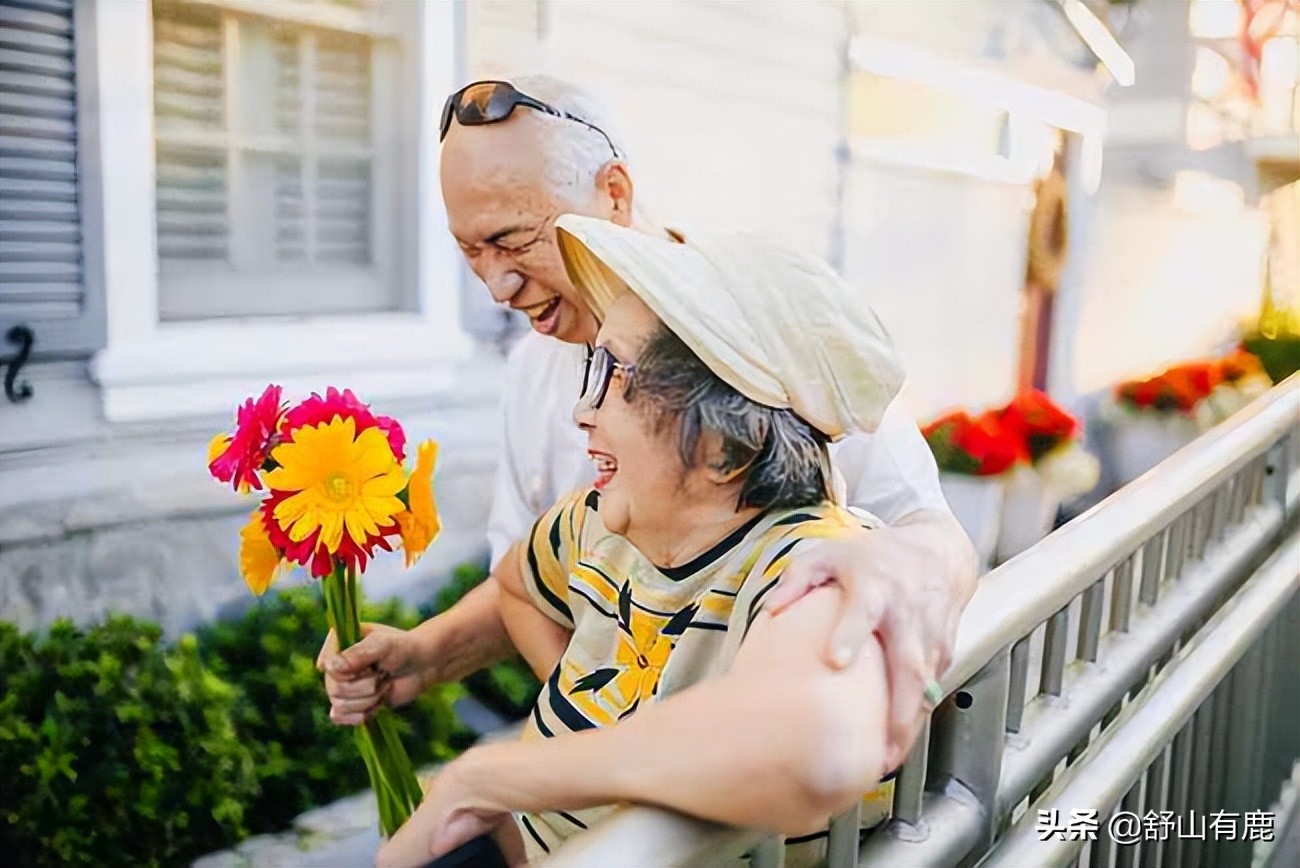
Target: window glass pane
[[343, 89], [269, 97], [268, 172], [290, 234], [188, 92], [191, 205], [343, 211]]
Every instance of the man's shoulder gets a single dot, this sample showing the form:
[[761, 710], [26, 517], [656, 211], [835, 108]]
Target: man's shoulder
[[532, 350], [542, 370]]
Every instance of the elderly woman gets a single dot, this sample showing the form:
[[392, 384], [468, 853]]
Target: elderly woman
[[710, 396]]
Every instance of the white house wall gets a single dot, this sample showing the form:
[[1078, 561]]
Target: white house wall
[[1160, 284], [1161, 277], [942, 258]]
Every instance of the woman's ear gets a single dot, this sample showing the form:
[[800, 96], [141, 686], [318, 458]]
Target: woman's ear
[[719, 467]]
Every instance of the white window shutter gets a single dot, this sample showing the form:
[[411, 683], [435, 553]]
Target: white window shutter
[[42, 282]]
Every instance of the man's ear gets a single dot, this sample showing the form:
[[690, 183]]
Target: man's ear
[[615, 184]]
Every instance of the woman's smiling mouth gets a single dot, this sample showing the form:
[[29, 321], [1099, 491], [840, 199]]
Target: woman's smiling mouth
[[606, 467]]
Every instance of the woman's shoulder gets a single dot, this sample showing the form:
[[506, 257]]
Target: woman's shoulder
[[820, 521], [771, 543]]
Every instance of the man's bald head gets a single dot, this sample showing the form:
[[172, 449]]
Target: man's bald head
[[505, 183]]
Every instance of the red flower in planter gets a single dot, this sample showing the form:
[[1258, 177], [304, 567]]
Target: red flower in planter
[[980, 446], [1178, 389], [1039, 421], [1239, 364]]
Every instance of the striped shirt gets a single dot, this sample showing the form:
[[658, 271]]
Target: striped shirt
[[642, 632]]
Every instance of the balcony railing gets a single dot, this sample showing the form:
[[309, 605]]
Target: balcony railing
[[1140, 659]]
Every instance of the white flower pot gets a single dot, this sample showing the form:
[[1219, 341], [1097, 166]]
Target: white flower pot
[[1142, 440], [1029, 507], [976, 501]]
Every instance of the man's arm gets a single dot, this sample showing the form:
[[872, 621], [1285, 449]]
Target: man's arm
[[781, 742], [487, 625], [395, 666]]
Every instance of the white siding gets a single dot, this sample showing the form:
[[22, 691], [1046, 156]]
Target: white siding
[[942, 257], [722, 128]]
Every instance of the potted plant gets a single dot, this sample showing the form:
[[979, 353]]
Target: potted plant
[[1242, 378], [973, 453], [1152, 418], [1057, 469]]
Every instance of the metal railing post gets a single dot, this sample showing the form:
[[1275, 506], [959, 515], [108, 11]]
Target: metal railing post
[[969, 735], [1180, 776]]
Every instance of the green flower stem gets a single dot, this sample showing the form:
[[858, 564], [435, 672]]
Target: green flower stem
[[396, 789]]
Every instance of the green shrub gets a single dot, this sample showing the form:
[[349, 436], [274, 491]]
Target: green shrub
[[115, 750], [509, 687], [118, 750], [303, 759]]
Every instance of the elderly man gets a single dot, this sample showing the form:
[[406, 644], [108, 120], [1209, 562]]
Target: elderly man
[[515, 157]]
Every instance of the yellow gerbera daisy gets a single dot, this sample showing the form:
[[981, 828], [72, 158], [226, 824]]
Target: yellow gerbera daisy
[[259, 562], [342, 482], [419, 523]]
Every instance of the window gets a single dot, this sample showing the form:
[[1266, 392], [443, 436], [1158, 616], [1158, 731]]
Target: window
[[238, 257], [279, 144]]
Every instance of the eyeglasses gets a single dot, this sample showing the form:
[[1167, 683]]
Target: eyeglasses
[[601, 366], [491, 102]]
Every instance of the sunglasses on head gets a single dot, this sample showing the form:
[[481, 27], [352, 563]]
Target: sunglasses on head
[[601, 366], [491, 102]]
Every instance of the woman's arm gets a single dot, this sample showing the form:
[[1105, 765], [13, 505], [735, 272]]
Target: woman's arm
[[781, 742], [540, 640]]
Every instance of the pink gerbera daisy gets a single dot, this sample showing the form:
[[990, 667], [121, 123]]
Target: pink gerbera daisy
[[256, 429]]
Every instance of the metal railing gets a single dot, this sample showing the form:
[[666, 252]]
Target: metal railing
[[1124, 664]]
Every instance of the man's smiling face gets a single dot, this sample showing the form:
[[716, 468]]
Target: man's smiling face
[[502, 197]]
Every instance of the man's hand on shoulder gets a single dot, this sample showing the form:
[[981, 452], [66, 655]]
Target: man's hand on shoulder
[[906, 583]]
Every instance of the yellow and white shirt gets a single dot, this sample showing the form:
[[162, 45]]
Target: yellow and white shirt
[[642, 632]]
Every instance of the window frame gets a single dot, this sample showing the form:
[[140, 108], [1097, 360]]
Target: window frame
[[188, 285], [152, 369]]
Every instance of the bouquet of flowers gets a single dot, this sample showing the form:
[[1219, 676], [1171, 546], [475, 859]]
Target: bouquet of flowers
[[973, 445], [336, 491]]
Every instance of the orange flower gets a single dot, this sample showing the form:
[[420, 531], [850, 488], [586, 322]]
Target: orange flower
[[260, 562], [980, 446], [419, 523]]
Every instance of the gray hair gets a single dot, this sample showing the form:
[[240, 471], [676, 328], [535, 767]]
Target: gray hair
[[784, 460], [578, 153]]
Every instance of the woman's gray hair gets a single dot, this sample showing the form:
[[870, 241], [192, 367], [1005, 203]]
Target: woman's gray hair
[[784, 460]]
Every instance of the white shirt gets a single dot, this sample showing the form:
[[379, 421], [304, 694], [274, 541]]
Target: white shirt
[[889, 473]]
